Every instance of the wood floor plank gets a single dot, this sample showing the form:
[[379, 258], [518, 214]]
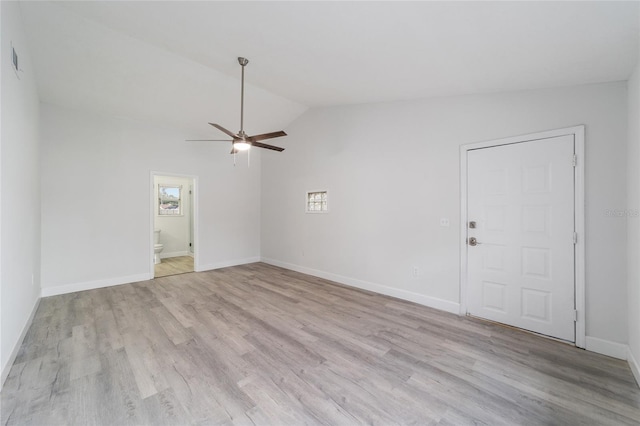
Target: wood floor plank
[[260, 345], [145, 367], [109, 337], [171, 326], [221, 383], [189, 388], [173, 266]]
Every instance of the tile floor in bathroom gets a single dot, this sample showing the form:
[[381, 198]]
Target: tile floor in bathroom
[[174, 266]]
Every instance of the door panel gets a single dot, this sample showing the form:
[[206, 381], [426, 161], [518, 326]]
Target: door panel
[[521, 272]]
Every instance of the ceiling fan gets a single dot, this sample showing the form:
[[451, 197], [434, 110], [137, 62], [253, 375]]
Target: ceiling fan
[[241, 141]]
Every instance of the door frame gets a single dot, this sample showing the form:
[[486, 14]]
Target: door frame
[[152, 212], [579, 216]]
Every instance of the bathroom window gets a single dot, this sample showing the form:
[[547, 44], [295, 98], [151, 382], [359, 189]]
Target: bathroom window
[[170, 200], [317, 202]]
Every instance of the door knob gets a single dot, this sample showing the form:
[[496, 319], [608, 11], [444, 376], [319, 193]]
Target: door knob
[[473, 242]]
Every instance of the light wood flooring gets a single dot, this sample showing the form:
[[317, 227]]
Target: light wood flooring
[[256, 344], [173, 266]]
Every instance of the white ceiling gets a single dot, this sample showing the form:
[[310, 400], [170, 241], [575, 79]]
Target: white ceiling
[[176, 61]]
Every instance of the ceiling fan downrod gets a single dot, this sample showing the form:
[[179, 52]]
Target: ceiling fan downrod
[[243, 63], [241, 141]]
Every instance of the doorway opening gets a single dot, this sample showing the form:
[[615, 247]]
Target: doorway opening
[[522, 232], [174, 226]]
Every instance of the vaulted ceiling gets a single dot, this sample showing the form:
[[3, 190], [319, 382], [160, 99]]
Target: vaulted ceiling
[[175, 62]]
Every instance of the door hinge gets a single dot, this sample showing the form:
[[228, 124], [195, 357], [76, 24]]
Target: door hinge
[[575, 238], [574, 162], [575, 315]]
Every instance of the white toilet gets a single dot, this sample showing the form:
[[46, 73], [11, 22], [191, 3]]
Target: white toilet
[[157, 247]]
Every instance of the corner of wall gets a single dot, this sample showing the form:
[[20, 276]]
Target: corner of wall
[[20, 188], [633, 217], [226, 264], [606, 347], [6, 368], [634, 365]]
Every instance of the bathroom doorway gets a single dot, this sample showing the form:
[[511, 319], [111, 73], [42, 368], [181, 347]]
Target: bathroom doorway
[[173, 213]]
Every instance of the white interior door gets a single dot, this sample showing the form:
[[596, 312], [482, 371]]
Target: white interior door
[[521, 272]]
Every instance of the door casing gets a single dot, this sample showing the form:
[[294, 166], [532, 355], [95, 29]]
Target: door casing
[[579, 220]]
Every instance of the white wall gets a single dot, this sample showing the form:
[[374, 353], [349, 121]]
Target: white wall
[[20, 189], [633, 220], [392, 172], [85, 65], [174, 234], [96, 217]]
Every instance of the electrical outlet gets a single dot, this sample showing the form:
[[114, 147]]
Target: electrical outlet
[[415, 272], [444, 222]]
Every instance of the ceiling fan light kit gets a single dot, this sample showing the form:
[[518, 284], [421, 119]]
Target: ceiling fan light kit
[[241, 141], [241, 146]]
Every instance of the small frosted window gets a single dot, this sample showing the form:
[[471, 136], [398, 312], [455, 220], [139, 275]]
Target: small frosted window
[[317, 202]]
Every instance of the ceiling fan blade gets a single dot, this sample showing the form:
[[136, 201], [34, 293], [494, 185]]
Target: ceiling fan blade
[[266, 136], [264, 145], [223, 130], [208, 140]]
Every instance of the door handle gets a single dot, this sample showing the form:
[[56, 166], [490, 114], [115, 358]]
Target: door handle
[[473, 242]]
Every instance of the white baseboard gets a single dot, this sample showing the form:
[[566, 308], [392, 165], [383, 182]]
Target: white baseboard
[[634, 365], [432, 302], [90, 285], [164, 255], [226, 263], [606, 347], [6, 368]]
